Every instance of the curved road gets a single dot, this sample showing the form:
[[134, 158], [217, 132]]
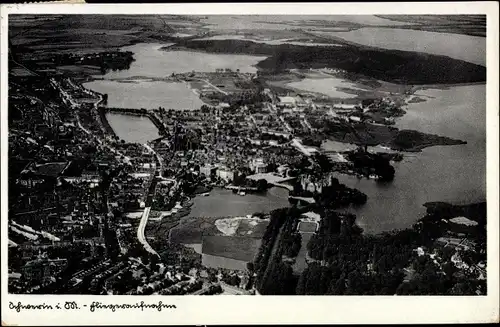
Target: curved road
[[140, 232]]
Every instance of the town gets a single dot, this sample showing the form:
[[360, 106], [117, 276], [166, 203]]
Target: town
[[93, 213]]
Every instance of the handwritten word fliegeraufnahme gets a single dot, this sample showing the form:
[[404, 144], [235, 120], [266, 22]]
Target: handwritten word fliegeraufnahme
[[93, 307]]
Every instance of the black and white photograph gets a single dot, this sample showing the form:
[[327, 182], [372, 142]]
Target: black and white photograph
[[269, 154]]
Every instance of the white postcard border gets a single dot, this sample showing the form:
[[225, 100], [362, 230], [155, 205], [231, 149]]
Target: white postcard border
[[273, 309]]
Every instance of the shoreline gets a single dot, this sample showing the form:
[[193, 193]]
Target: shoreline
[[445, 86]]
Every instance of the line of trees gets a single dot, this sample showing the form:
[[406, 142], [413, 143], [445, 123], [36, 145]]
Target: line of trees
[[344, 261]]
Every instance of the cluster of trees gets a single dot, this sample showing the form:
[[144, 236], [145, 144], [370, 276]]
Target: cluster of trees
[[291, 244], [275, 276], [163, 202], [233, 280], [271, 137], [323, 163], [312, 140], [236, 100], [338, 195], [352, 263], [116, 60], [372, 163], [190, 182], [213, 290], [333, 196], [413, 140], [279, 279], [241, 180], [408, 139], [277, 219], [178, 290], [443, 278], [347, 262], [186, 140]]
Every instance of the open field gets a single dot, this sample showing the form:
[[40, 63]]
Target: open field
[[216, 262], [321, 84], [301, 258], [161, 228], [51, 169], [83, 34], [78, 70], [193, 230], [250, 227], [307, 227], [19, 71], [233, 247]]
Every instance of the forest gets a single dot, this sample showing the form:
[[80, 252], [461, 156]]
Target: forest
[[403, 67], [333, 196], [273, 275], [372, 163], [344, 261], [116, 60]]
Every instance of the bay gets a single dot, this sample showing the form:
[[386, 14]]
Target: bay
[[455, 174]]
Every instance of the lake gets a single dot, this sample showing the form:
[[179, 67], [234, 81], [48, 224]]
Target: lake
[[224, 203], [133, 88], [283, 22], [150, 61], [147, 94], [133, 129], [457, 46], [455, 174]]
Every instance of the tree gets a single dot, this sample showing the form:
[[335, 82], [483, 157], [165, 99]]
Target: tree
[[262, 185], [260, 215], [271, 167]]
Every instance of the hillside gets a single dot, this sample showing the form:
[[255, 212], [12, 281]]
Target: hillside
[[388, 65]]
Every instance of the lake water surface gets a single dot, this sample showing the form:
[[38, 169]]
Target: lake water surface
[[151, 61], [133, 88], [457, 46], [455, 174], [224, 203], [282, 22], [133, 129], [147, 94]]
